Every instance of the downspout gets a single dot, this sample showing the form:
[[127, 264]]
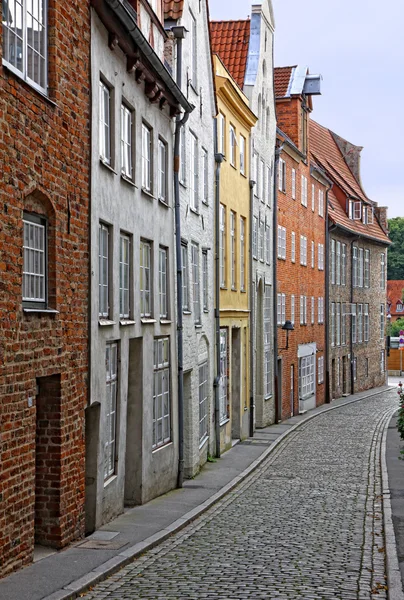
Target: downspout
[[278, 393], [219, 160], [252, 311], [328, 230], [179, 34]]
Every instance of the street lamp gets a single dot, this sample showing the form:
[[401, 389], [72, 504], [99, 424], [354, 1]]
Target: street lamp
[[288, 326]]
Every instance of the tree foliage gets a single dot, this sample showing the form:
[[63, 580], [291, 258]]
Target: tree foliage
[[395, 265], [395, 328]]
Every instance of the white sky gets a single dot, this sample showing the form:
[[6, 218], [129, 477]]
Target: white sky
[[358, 48]]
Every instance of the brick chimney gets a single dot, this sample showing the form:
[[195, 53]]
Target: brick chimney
[[351, 154]]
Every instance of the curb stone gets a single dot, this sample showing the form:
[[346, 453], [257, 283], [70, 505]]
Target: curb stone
[[76, 588]]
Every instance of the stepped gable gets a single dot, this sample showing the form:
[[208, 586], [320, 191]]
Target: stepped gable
[[230, 41]]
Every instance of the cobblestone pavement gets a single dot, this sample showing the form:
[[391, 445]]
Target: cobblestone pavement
[[307, 524]]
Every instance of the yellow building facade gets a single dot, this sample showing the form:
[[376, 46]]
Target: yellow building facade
[[234, 123]]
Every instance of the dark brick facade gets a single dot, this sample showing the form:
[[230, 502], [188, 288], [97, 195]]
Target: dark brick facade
[[44, 158]]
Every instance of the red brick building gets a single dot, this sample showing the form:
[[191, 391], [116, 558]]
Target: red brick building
[[395, 299], [44, 191], [300, 267]]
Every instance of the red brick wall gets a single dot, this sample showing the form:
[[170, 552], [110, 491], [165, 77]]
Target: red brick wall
[[292, 278], [44, 158]]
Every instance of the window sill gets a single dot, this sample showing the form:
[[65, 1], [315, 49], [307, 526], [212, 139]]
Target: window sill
[[107, 166], [255, 258], [243, 291], [268, 397], [147, 321], [110, 479], [206, 311], [224, 422], [163, 202], [46, 311], [148, 194], [205, 202], [198, 325], [223, 287], [194, 210], [125, 322], [233, 289], [106, 322], [186, 312], [165, 445], [203, 442], [234, 166], [243, 175], [165, 322], [128, 180]]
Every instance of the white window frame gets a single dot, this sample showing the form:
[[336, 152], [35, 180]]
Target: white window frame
[[293, 247], [267, 341], [321, 257], [233, 145], [281, 242], [35, 261], [261, 240], [313, 197], [338, 264], [332, 262], [161, 393], [205, 280], [125, 247], [359, 323], [105, 123], [382, 321], [183, 163], [255, 238], [147, 158], [332, 325], [222, 245], [307, 376], [321, 203], [221, 140], [353, 323], [205, 175], [126, 141], [185, 277], [162, 171], [343, 264], [242, 254], [293, 184], [193, 44], [303, 250], [366, 323], [355, 266], [203, 393], [196, 299], [281, 309], [338, 324], [111, 388], [163, 282], [360, 267], [303, 191], [103, 270], [267, 244], [233, 265], [343, 324], [223, 377], [366, 277], [292, 309], [303, 310], [242, 155], [382, 271], [282, 175], [193, 172], [320, 369], [146, 279]]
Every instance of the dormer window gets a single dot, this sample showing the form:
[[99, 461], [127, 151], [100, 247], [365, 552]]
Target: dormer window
[[370, 215], [399, 307], [355, 210]]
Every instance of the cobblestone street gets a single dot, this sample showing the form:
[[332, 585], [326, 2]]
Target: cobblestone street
[[306, 524]]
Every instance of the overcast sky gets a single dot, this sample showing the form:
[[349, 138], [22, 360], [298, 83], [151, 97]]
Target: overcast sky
[[358, 48]]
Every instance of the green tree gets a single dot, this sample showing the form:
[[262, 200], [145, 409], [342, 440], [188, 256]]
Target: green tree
[[395, 263], [394, 329]]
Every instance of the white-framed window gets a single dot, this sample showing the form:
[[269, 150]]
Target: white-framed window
[[321, 203], [355, 369], [320, 310], [34, 270], [360, 323], [292, 309], [355, 266], [256, 174], [221, 141], [338, 324], [111, 385], [313, 196], [162, 171], [320, 369], [205, 175], [303, 310], [205, 281], [333, 262], [255, 237], [242, 254], [332, 325], [281, 309], [233, 265], [312, 310], [25, 41], [242, 155], [312, 255], [293, 184], [367, 269], [382, 271], [303, 250], [163, 284], [267, 341], [193, 172], [203, 401], [282, 175], [262, 181], [233, 144], [261, 240], [343, 324], [303, 190], [382, 362], [103, 270], [195, 282], [356, 210], [223, 381], [147, 153], [194, 51], [185, 277], [105, 123], [370, 213], [307, 374], [161, 393], [382, 320], [124, 276], [338, 264], [343, 264], [366, 323], [293, 247], [126, 141], [222, 245], [269, 186], [183, 152], [354, 323], [360, 267], [281, 242], [399, 307], [321, 257], [145, 279], [267, 243]]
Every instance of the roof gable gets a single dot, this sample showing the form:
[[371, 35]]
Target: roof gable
[[230, 41]]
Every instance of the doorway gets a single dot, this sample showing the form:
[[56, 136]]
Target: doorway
[[236, 379]]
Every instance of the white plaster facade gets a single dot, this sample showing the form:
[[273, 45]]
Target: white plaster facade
[[142, 469], [197, 234], [258, 86]]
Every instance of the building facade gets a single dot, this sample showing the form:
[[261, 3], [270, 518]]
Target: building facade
[[132, 419], [234, 123], [196, 172], [357, 258], [301, 236], [44, 153]]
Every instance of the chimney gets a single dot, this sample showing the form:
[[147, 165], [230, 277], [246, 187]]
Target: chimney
[[381, 215], [351, 154]]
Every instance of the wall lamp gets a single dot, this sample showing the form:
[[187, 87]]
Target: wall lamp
[[288, 326]]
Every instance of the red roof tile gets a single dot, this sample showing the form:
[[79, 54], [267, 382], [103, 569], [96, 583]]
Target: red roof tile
[[326, 153], [173, 9], [395, 291], [230, 40], [282, 80]]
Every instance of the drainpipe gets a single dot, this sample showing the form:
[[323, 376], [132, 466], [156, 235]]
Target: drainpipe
[[328, 230], [278, 393], [252, 311], [179, 34], [219, 159]]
